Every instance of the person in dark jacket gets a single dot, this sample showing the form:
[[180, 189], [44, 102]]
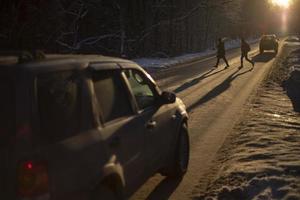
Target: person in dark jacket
[[245, 48], [221, 53]]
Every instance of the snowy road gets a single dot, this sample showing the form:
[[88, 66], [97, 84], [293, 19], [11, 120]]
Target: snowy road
[[214, 99]]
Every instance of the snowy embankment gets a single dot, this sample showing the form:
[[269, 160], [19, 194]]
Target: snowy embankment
[[261, 158], [152, 64]]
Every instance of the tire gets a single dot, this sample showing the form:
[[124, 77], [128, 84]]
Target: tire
[[104, 192], [182, 155]]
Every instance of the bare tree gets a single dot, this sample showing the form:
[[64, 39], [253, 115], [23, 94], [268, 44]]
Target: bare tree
[[120, 27]]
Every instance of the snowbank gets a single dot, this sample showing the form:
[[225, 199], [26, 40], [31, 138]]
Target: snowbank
[[160, 63], [261, 160], [293, 39]]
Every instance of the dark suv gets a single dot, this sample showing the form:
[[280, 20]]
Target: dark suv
[[86, 127], [268, 42]]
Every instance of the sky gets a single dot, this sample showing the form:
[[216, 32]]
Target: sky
[[282, 3]]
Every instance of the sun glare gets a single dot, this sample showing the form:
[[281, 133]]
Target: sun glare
[[281, 3]]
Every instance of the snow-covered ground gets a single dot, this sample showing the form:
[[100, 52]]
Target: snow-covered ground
[[158, 63], [261, 159], [167, 62]]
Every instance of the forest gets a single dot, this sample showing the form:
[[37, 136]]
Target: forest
[[135, 28]]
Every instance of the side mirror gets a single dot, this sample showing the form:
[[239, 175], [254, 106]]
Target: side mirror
[[168, 97]]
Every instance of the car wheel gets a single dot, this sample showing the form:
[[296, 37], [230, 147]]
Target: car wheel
[[182, 155], [104, 192]]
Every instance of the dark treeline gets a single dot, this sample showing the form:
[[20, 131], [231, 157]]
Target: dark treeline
[[129, 28], [294, 17]]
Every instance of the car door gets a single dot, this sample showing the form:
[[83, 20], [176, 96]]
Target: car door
[[157, 118], [120, 127]]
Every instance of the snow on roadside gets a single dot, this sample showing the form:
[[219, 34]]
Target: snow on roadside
[[261, 159], [156, 63], [160, 63], [293, 39]]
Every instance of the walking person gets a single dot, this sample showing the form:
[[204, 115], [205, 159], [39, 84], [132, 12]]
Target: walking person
[[221, 53], [245, 48]]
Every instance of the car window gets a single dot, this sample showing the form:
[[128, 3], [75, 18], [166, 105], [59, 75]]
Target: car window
[[58, 96], [7, 107], [111, 94], [142, 90]]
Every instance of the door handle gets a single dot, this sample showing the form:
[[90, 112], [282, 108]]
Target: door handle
[[115, 142], [151, 124]]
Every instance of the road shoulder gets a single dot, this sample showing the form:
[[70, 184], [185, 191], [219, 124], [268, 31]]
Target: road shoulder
[[260, 158]]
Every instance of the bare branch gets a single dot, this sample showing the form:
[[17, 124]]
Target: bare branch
[[86, 41]]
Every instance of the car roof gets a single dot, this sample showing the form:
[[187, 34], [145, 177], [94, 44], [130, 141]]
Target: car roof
[[57, 62]]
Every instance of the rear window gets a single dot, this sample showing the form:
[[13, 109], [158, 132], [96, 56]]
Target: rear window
[[58, 96], [7, 108]]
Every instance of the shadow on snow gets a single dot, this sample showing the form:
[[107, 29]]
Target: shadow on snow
[[196, 80], [265, 57], [164, 189], [219, 89]]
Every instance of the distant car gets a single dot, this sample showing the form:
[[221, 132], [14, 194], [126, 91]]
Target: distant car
[[86, 127], [268, 42]]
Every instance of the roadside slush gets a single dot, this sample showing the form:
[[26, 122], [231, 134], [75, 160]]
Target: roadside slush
[[261, 157]]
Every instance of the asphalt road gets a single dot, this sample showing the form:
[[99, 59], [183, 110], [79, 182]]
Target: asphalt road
[[215, 99], [172, 77]]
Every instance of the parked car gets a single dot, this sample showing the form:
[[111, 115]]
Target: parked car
[[268, 42], [86, 127]]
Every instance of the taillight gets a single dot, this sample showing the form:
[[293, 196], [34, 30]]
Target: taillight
[[33, 179]]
